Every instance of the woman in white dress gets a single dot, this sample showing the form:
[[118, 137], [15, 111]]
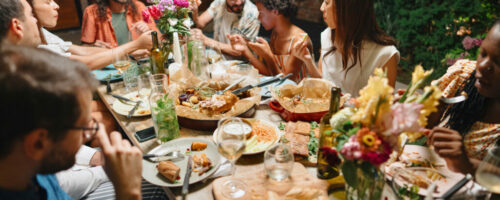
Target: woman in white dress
[[352, 46]]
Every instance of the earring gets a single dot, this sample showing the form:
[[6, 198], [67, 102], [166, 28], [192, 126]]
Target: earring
[[489, 68]]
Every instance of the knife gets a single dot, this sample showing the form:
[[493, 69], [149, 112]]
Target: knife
[[456, 187], [189, 168], [261, 84], [133, 109], [122, 98]]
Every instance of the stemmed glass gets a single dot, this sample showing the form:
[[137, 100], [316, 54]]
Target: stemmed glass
[[231, 145], [122, 63], [488, 172]]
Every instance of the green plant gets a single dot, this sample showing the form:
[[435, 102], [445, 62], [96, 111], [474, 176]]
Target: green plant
[[428, 30]]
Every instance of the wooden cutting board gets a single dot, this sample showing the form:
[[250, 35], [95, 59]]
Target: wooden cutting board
[[260, 186]]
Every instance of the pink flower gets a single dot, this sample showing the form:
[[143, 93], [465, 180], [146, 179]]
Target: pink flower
[[145, 16], [351, 149], [404, 118], [331, 155], [478, 42], [181, 3], [155, 12], [468, 43]]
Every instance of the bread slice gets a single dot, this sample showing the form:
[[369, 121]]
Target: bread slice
[[169, 170], [303, 128]]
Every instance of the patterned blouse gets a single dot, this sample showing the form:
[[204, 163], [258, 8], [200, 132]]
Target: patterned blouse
[[482, 135]]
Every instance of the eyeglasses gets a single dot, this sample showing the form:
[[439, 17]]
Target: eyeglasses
[[89, 131]]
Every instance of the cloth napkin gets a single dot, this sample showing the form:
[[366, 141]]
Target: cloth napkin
[[224, 168]]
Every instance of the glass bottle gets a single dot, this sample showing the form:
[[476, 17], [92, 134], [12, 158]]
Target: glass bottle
[[328, 169], [162, 109], [198, 61], [156, 56]]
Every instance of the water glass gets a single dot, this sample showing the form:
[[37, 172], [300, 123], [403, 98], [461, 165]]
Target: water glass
[[143, 86], [278, 161]]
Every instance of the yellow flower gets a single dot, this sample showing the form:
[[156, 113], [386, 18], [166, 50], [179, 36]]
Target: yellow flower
[[430, 104], [375, 98], [419, 74]]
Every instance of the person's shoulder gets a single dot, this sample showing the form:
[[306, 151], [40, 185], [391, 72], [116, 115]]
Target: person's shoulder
[[138, 4], [91, 8]]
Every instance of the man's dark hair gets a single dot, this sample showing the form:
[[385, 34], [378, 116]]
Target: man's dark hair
[[102, 5], [39, 89], [287, 8], [9, 9]]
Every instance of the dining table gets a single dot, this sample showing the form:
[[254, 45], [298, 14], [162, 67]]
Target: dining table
[[203, 189]]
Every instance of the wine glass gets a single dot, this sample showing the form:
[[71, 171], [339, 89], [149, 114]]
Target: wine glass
[[231, 145], [278, 161], [121, 62], [488, 172]]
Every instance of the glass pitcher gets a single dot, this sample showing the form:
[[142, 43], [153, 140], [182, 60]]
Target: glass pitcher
[[162, 109]]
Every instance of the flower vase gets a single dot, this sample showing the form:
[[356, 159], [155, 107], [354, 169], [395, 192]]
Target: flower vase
[[364, 182]]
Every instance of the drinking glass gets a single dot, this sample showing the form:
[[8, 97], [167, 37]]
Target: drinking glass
[[122, 63], [162, 110], [143, 86], [488, 172], [231, 145], [278, 161]]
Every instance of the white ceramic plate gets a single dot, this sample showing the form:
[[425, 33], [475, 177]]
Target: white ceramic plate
[[252, 145], [151, 174], [123, 108]]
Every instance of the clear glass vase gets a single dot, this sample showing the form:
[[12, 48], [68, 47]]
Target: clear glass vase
[[369, 184], [162, 110]]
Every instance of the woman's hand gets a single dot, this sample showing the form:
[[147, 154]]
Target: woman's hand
[[301, 51], [102, 44], [261, 47], [238, 43], [448, 144]]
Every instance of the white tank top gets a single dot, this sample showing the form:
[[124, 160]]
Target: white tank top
[[372, 56]]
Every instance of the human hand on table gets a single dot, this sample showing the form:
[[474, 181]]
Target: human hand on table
[[238, 43], [140, 53], [144, 41], [123, 164], [261, 47], [448, 144], [102, 44]]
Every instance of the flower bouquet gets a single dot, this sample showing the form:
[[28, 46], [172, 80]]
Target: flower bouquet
[[174, 23], [368, 131]]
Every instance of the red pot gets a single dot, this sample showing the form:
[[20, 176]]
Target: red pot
[[291, 116]]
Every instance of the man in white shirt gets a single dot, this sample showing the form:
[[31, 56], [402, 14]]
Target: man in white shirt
[[230, 17]]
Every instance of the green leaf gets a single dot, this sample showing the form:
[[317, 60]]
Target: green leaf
[[349, 170], [281, 126], [341, 140], [353, 131], [422, 141]]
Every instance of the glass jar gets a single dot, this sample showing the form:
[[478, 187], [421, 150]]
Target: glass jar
[[162, 109], [199, 60]]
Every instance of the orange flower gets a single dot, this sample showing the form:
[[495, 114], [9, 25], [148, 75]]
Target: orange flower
[[368, 140]]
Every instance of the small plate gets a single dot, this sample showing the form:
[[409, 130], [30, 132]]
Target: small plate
[[151, 174], [123, 107], [265, 93], [443, 179], [257, 147], [103, 73]]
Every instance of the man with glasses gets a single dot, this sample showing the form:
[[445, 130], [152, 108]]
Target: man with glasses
[[229, 17], [45, 111]]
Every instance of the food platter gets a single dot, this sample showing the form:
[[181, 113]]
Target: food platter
[[264, 135], [151, 174]]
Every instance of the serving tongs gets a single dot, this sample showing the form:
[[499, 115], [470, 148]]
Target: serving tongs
[[262, 84]]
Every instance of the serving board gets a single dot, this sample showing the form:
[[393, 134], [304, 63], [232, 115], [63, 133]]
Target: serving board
[[259, 185]]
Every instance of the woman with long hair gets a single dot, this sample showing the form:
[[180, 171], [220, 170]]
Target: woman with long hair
[[468, 129], [352, 46], [275, 57]]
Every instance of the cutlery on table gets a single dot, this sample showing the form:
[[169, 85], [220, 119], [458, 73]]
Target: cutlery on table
[[122, 98], [231, 86], [261, 84], [189, 168], [172, 156], [131, 112], [456, 187]]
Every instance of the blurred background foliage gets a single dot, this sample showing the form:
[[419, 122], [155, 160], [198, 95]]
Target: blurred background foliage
[[434, 32]]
